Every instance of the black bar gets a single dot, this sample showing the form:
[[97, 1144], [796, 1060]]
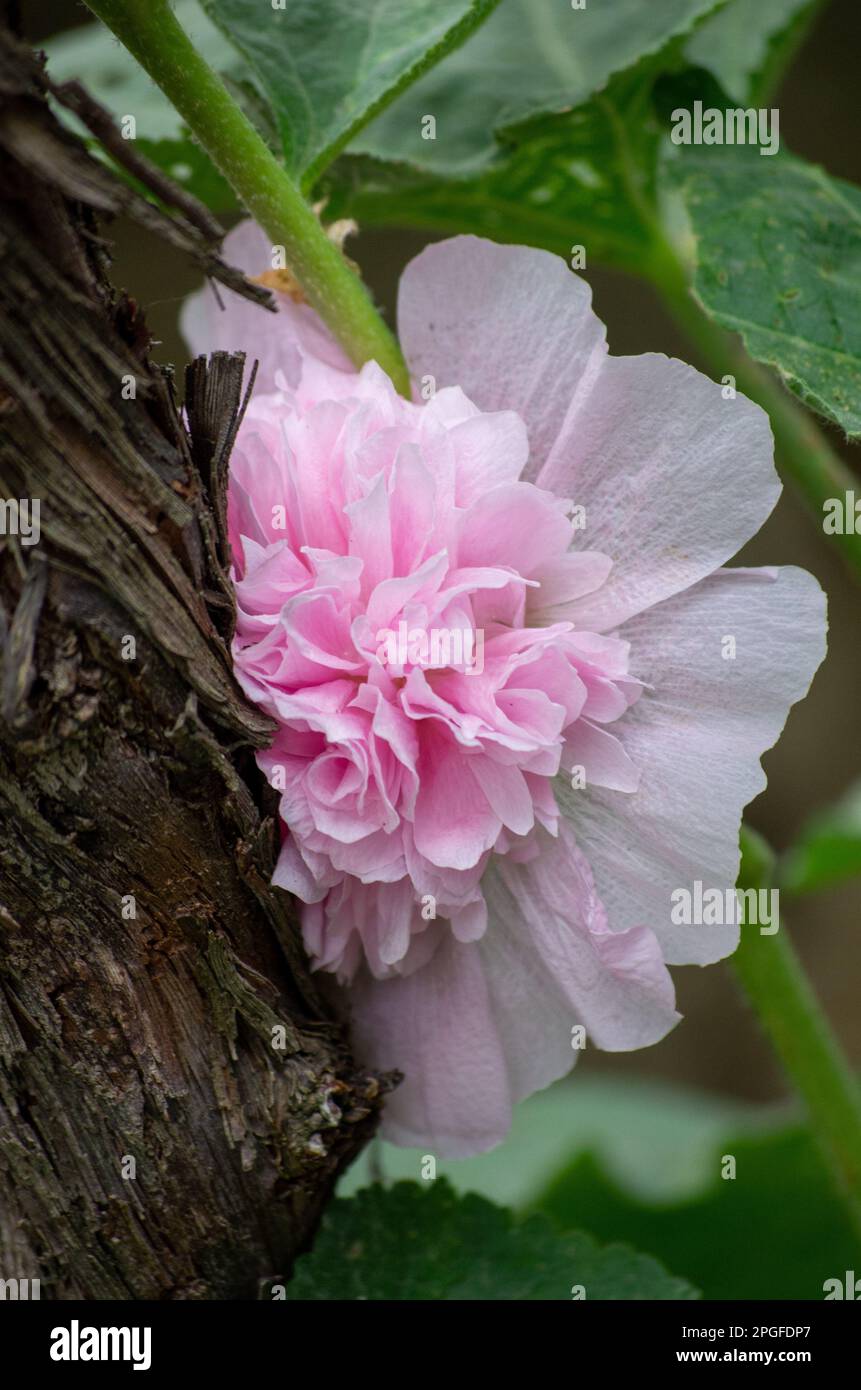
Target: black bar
[[263, 1338]]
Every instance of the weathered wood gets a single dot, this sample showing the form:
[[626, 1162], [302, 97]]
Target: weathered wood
[[147, 970]]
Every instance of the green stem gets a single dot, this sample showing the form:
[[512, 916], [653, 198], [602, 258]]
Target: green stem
[[774, 981], [149, 30], [816, 469]]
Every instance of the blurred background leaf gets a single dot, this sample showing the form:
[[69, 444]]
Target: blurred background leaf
[[338, 63], [530, 57], [828, 849], [772, 243], [775, 1231], [642, 1162], [584, 178], [657, 1142], [586, 172], [426, 1242], [746, 43], [111, 75], [93, 56]]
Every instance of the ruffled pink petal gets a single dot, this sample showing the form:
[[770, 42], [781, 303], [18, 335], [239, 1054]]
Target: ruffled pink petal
[[602, 757], [515, 525], [454, 823], [562, 580]]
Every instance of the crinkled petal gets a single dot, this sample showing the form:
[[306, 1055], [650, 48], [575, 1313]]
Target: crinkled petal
[[437, 1027], [673, 478], [552, 963], [697, 735], [484, 1024], [511, 325]]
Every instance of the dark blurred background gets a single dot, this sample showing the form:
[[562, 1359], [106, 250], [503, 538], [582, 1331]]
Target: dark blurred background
[[717, 1046]]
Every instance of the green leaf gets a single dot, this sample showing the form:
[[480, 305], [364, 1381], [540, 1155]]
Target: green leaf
[[640, 1161], [590, 177], [828, 850], [424, 1242], [746, 43], [774, 1231], [586, 178], [778, 260], [530, 58], [328, 66]]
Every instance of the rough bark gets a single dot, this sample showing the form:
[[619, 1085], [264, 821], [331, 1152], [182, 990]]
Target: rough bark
[[156, 1013]]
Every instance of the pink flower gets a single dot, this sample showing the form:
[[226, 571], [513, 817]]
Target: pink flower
[[456, 607]]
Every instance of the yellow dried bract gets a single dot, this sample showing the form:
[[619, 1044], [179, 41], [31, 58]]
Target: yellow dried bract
[[282, 281]]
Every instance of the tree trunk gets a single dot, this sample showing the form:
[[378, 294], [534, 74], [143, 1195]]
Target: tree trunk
[[176, 1101]]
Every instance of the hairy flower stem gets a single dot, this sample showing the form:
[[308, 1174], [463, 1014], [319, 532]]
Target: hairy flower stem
[[816, 469], [150, 31], [776, 985]]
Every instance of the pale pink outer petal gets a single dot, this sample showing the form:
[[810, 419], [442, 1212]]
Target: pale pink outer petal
[[276, 340], [673, 477], [437, 1027], [510, 325], [674, 480], [697, 736], [484, 1025], [552, 962]]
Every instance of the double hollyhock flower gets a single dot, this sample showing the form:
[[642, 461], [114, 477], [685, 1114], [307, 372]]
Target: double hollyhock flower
[[491, 628]]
